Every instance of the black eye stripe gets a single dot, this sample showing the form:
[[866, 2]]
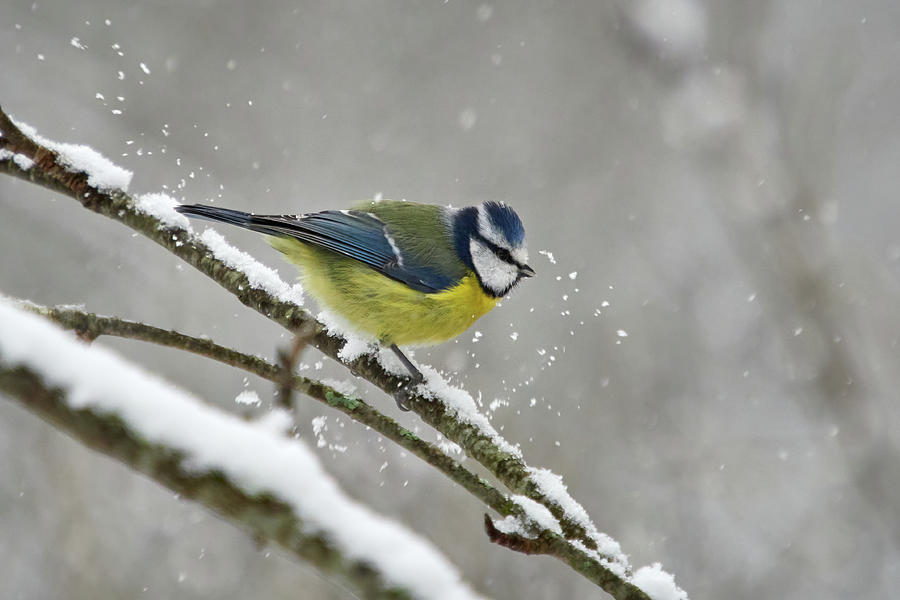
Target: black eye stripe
[[501, 253]]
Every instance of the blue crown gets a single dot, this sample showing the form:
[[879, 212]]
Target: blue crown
[[505, 220]]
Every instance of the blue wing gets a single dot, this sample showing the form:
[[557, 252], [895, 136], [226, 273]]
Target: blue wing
[[355, 234]]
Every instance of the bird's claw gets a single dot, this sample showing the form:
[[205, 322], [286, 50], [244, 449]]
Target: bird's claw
[[401, 396]]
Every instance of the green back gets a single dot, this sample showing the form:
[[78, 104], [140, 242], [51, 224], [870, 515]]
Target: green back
[[421, 231]]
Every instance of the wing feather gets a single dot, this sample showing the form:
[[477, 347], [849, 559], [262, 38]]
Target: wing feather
[[360, 236]]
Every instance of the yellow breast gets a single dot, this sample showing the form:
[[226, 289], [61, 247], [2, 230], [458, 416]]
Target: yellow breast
[[381, 307]]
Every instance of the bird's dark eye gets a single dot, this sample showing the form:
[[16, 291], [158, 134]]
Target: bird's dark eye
[[503, 254]]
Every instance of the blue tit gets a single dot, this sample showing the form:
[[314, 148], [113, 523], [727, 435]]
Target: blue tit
[[402, 272]]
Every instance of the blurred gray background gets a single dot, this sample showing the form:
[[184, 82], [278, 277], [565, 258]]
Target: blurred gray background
[[720, 179]]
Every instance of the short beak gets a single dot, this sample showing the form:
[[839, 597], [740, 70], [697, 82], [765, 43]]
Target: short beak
[[526, 271]]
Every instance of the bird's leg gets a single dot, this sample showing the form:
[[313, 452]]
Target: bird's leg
[[415, 378]]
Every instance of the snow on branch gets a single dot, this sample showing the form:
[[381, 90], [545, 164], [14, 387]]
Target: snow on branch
[[450, 410], [162, 207], [102, 173], [270, 484]]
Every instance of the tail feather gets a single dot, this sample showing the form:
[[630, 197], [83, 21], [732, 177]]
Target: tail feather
[[260, 224]]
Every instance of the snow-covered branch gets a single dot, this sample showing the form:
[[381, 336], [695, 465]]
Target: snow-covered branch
[[262, 481], [90, 326], [539, 493]]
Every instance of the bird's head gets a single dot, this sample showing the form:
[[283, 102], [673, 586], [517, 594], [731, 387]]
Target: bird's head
[[490, 239]]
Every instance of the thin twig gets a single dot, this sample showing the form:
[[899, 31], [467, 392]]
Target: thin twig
[[288, 360]]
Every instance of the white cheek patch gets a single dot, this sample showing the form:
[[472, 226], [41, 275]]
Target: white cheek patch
[[520, 255], [496, 275]]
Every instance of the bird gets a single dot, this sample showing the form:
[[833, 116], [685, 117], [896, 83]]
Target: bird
[[403, 273]]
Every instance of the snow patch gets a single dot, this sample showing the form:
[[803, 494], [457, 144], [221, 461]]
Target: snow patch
[[341, 386], [551, 485], [450, 448], [102, 173], [617, 568], [391, 363], [658, 584], [248, 398], [356, 344], [260, 276], [538, 513], [461, 404], [162, 206], [510, 525], [22, 161]]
